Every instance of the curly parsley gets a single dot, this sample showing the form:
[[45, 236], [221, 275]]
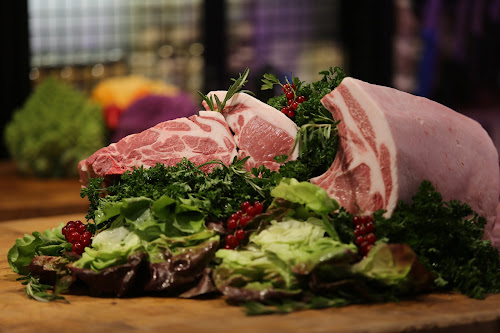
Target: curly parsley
[[218, 193], [447, 237]]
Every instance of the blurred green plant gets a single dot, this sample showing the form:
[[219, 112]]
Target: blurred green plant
[[56, 128]]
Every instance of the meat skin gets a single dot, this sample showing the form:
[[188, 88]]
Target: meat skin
[[260, 131], [390, 141], [198, 138]]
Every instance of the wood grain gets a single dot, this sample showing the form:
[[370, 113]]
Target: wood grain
[[443, 313], [25, 197]]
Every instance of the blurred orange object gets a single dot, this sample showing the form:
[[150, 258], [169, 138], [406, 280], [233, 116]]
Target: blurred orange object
[[117, 93]]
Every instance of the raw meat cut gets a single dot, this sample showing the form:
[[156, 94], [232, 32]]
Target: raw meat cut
[[260, 131], [198, 138], [390, 141]]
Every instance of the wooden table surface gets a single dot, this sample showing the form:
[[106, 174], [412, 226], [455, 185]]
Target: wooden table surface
[[443, 313], [25, 197]]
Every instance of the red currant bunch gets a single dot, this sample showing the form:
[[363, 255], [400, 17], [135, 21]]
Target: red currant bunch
[[293, 100], [237, 222], [76, 233], [363, 230]]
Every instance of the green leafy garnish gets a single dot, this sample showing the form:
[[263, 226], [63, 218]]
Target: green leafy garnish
[[317, 138], [50, 242], [447, 237], [44, 292], [217, 194], [236, 87], [270, 80]]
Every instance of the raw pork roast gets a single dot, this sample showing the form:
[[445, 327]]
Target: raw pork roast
[[198, 138], [390, 141], [260, 131]]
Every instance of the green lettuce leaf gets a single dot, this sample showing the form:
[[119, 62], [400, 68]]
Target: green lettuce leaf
[[109, 248], [311, 196], [302, 245], [50, 242], [394, 265]]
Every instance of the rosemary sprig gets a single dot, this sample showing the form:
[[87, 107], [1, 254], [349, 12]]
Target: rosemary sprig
[[308, 131], [232, 90], [41, 292]]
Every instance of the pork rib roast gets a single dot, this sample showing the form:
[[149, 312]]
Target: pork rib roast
[[260, 131], [199, 138]]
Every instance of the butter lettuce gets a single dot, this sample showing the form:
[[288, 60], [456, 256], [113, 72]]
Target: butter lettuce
[[110, 247], [311, 196], [277, 258], [302, 245]]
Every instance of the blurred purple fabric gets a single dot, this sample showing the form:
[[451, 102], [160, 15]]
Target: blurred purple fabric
[[151, 110]]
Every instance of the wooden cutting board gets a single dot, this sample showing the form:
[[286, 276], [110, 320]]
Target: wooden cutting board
[[443, 313], [23, 196]]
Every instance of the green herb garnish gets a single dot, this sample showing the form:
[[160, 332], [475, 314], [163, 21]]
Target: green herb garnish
[[44, 292], [236, 87], [317, 138], [218, 193], [447, 237]]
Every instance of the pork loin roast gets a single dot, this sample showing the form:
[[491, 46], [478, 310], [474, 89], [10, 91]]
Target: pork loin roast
[[390, 141]]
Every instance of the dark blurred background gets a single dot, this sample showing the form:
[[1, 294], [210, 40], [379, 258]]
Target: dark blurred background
[[448, 51]]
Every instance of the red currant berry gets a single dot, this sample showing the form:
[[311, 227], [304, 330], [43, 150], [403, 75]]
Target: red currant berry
[[245, 205], [70, 230], [240, 234], [259, 207], [301, 99], [234, 216], [294, 106], [251, 211], [86, 235], [360, 230], [239, 213], [232, 224], [244, 220], [64, 229], [293, 86], [365, 248], [289, 95], [360, 240], [291, 114], [367, 219], [81, 228], [77, 248], [74, 237], [290, 102], [285, 110], [357, 220], [371, 238], [286, 88], [370, 227], [232, 241], [85, 242], [70, 224]]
